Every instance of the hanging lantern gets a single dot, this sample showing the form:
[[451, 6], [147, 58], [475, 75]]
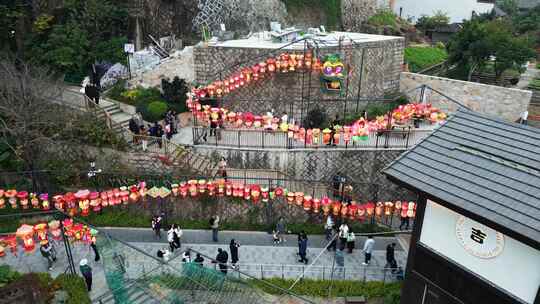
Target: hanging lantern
[[316, 134], [316, 206], [388, 208], [284, 62], [183, 189], [411, 210], [71, 204], [211, 187], [255, 70], [271, 64], [84, 202], [262, 68], [34, 201], [397, 207], [124, 195], [26, 233], [192, 187], [255, 193], [246, 192], [370, 208], [142, 190], [326, 202], [23, 199], [290, 198], [308, 201], [104, 199], [299, 198], [278, 191], [2, 200], [229, 188], [211, 88], [133, 194], [299, 62], [41, 232], [361, 212], [235, 190], [404, 209], [219, 88], [95, 202], [265, 194], [308, 59], [220, 185], [248, 75], [58, 202], [292, 62], [379, 208], [327, 135], [344, 210], [336, 208], [241, 190], [44, 197], [352, 210]]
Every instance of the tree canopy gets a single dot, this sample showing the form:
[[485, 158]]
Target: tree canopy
[[425, 22]]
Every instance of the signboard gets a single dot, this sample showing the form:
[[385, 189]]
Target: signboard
[[129, 48], [497, 258]]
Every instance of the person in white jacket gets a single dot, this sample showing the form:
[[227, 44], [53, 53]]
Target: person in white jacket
[[369, 244], [170, 238]]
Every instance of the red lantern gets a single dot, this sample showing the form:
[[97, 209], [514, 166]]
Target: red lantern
[[271, 64], [307, 202], [247, 192], [124, 195], [183, 189], [84, 203], [255, 70], [58, 202], [361, 212], [316, 206], [44, 197], [336, 208], [229, 188], [370, 208], [344, 210], [134, 194], [255, 193], [71, 203], [23, 199], [211, 186], [278, 191], [104, 199], [2, 200], [404, 208], [326, 202], [388, 208], [95, 201], [290, 197], [411, 210], [262, 68], [265, 195], [41, 231], [193, 191], [202, 186], [26, 233], [299, 198], [353, 210]]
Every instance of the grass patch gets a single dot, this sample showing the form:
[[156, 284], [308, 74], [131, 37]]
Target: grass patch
[[331, 8], [420, 58], [535, 84]]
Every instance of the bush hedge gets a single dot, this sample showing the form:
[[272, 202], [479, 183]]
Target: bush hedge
[[420, 58], [75, 286], [155, 111]]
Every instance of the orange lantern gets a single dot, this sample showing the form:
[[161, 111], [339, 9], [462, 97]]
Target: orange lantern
[[95, 202], [41, 231], [388, 208], [316, 206], [246, 192], [133, 194], [308, 201], [336, 138], [353, 210], [284, 62], [193, 188], [26, 233], [411, 209], [23, 199], [326, 202], [299, 198], [370, 208], [290, 197], [71, 203], [54, 227], [255, 193], [336, 208], [183, 189], [265, 195], [379, 208], [397, 207], [58, 202], [327, 135], [68, 225], [77, 231], [229, 189], [44, 197], [174, 189], [34, 200], [308, 60], [344, 210], [104, 199], [361, 212], [2, 200]]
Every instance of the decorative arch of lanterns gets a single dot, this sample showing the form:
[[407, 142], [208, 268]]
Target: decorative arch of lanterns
[[286, 63], [84, 201]]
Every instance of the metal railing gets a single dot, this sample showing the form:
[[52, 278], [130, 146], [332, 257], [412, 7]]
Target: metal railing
[[265, 139]]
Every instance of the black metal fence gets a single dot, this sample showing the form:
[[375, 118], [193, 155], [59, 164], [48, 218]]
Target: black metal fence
[[266, 139]]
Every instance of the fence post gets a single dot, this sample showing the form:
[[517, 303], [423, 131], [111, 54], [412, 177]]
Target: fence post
[[282, 272], [238, 138], [262, 272]]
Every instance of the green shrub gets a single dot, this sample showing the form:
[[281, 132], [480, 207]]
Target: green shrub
[[7, 275], [535, 84], [155, 111], [75, 286], [117, 90], [384, 18], [420, 58], [331, 8], [440, 46]]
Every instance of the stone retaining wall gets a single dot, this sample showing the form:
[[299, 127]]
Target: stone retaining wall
[[489, 99]]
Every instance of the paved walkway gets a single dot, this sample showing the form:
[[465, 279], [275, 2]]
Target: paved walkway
[[526, 77]]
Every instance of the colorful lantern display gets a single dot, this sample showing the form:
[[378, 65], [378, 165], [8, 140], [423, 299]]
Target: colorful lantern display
[[211, 187], [44, 197], [379, 208], [352, 210], [201, 185], [84, 202], [95, 201], [41, 232], [34, 200], [26, 233], [71, 203], [124, 195], [326, 202], [290, 198], [104, 199], [308, 201], [388, 208], [336, 208], [265, 194], [192, 185], [246, 192], [370, 208], [279, 191], [255, 193], [361, 212], [133, 194], [54, 228], [316, 206], [58, 202]]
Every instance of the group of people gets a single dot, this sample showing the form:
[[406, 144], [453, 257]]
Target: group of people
[[342, 234], [165, 129]]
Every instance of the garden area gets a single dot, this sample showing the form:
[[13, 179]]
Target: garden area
[[66, 288], [421, 57], [152, 103]]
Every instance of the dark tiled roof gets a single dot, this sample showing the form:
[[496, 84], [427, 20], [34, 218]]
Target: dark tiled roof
[[481, 164]]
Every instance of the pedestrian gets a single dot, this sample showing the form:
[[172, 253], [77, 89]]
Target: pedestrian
[[343, 233], [134, 128], [164, 253], [139, 120], [390, 256], [177, 234], [347, 194], [222, 257], [302, 247], [168, 131], [47, 252], [170, 238], [213, 126], [340, 262], [275, 237], [328, 227], [233, 246], [159, 134], [86, 271], [350, 241], [199, 260], [186, 256], [144, 138], [333, 126], [368, 250], [333, 238], [281, 229], [336, 182], [222, 167], [214, 224], [524, 117], [94, 248], [285, 118], [404, 222], [156, 226]]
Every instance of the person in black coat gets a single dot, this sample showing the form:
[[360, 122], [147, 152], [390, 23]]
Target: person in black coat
[[222, 258], [234, 252], [390, 256], [302, 247]]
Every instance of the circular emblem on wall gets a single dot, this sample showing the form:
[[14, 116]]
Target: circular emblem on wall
[[479, 240]]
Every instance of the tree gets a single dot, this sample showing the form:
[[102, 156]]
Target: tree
[[425, 22], [468, 48], [508, 6]]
